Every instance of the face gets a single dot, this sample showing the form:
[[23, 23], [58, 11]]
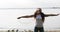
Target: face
[[38, 10]]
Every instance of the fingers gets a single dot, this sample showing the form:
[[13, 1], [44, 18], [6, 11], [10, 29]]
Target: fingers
[[18, 17], [58, 14]]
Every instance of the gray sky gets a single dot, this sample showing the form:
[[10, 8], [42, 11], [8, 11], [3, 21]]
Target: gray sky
[[8, 16], [28, 3]]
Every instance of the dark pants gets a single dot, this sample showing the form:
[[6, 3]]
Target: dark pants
[[40, 29]]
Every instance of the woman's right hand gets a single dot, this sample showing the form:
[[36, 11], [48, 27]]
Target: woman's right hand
[[58, 14], [18, 17]]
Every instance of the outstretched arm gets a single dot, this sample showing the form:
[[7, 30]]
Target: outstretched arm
[[27, 16], [46, 15]]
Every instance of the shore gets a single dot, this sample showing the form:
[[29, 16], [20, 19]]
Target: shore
[[27, 31]]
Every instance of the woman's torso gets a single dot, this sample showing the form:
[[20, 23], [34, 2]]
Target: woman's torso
[[39, 22]]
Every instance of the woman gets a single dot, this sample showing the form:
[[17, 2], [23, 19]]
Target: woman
[[39, 17]]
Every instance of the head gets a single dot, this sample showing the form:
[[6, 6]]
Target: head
[[39, 10]]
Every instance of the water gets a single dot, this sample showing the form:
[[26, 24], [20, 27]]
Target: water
[[8, 19]]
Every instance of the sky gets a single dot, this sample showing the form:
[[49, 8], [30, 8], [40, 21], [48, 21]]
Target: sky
[[28, 3], [8, 17]]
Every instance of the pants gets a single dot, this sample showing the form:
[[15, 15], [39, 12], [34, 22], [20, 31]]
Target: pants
[[40, 29]]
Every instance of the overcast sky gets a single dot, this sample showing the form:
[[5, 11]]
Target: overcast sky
[[28, 3], [8, 16]]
